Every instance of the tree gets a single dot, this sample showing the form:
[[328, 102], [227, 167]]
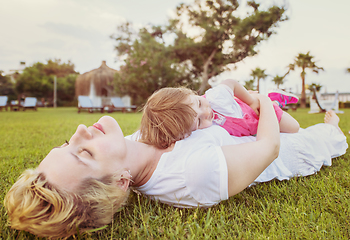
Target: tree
[[66, 89], [225, 38], [348, 70], [55, 67], [257, 75], [149, 64], [303, 61], [37, 80], [6, 86], [33, 81], [291, 67], [249, 85], [316, 86], [278, 80]]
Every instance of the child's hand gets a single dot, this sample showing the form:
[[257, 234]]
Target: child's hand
[[255, 105]]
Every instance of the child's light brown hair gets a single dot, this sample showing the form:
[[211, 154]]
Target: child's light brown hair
[[167, 117]]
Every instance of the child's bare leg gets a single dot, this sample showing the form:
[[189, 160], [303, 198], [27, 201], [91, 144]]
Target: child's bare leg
[[332, 118], [288, 124]]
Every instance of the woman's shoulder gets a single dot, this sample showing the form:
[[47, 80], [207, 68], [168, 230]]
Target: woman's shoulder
[[182, 176]]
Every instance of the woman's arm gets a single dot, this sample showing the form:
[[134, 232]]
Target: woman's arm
[[241, 93], [245, 162]]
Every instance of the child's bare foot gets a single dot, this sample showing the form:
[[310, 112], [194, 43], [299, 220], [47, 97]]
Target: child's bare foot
[[332, 118]]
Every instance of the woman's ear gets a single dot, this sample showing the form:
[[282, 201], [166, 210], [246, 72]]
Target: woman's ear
[[124, 181]]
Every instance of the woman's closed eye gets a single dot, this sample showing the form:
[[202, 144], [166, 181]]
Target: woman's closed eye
[[85, 151], [81, 151]]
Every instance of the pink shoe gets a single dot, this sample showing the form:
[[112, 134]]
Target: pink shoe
[[283, 98]]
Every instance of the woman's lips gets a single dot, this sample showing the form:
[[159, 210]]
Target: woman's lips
[[98, 126]]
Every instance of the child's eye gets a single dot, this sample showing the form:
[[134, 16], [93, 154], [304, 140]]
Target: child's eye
[[199, 103]]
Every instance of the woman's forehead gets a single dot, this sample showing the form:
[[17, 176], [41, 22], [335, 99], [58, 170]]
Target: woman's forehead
[[62, 169]]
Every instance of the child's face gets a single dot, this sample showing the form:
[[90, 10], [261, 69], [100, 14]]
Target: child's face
[[204, 112]]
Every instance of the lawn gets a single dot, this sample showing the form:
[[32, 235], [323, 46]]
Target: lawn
[[314, 207]]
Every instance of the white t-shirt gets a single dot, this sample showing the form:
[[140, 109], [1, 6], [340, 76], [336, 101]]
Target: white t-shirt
[[195, 173], [222, 100]]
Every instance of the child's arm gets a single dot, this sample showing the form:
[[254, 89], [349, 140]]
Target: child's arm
[[240, 92]]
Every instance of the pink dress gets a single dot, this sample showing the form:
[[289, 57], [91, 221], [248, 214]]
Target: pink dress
[[233, 114]]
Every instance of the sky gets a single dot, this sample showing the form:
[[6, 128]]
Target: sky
[[79, 31]]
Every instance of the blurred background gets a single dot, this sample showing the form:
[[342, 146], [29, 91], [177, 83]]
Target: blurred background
[[83, 33]]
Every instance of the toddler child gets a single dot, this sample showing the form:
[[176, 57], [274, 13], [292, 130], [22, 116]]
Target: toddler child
[[171, 114]]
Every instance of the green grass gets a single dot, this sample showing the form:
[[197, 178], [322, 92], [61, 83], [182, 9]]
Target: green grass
[[314, 207]]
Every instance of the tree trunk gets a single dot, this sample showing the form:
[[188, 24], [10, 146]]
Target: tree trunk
[[303, 95], [258, 85], [205, 77], [204, 80]]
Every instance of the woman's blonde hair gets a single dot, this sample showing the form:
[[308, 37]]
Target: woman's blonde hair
[[167, 117], [36, 206]]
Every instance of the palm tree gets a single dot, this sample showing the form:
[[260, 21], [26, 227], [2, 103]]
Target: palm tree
[[278, 80], [303, 61], [316, 86], [249, 85], [291, 67], [258, 74]]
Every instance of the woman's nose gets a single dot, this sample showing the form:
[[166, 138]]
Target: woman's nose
[[82, 132]]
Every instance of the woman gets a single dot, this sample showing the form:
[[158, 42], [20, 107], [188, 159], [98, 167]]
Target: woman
[[84, 182]]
